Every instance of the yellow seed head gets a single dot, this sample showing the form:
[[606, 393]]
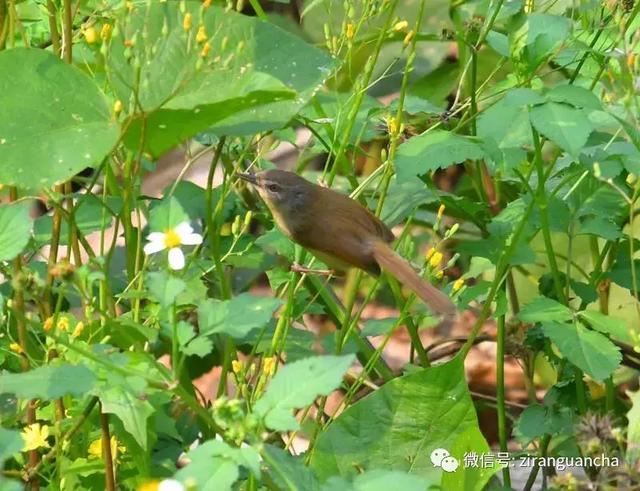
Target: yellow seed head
[[400, 26], [48, 324], [350, 30], [105, 32], [63, 324], [78, 329], [392, 125], [269, 365], [205, 50], [201, 37], [187, 21], [236, 366]]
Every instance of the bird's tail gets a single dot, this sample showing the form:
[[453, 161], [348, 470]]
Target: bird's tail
[[392, 263]]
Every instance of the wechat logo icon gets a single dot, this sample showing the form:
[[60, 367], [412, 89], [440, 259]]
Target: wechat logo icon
[[441, 458]]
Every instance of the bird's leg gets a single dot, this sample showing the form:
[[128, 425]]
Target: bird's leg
[[297, 268]]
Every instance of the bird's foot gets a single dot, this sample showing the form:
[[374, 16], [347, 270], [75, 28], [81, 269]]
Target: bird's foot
[[297, 268]]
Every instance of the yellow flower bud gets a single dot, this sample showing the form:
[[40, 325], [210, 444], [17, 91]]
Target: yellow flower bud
[[201, 37], [117, 106], [78, 329], [440, 211], [429, 253], [459, 283], [63, 324], [440, 274], [436, 259], [392, 125], [407, 39], [350, 30], [631, 179], [236, 366], [206, 4], [16, 348], [48, 324], [400, 26], [91, 35], [186, 21], [105, 32], [269, 365], [205, 50]]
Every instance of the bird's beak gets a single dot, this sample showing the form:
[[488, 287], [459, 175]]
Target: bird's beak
[[251, 178]]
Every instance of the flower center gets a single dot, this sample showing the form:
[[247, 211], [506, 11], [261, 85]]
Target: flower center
[[171, 239]]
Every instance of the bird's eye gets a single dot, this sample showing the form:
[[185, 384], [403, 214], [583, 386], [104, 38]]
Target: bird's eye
[[273, 188]]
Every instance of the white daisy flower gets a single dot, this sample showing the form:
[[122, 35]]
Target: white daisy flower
[[172, 239]]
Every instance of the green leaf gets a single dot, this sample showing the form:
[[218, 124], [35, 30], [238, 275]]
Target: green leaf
[[321, 376], [544, 309], [236, 317], [537, 420], [131, 409], [576, 96], [589, 350], [15, 229], [377, 480], [378, 327], [12, 443], [399, 425], [165, 287], [68, 127], [166, 214], [48, 382], [403, 198], [564, 125], [255, 78], [287, 471], [215, 465], [538, 37], [433, 150], [607, 324]]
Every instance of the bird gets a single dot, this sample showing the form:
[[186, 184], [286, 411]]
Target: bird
[[339, 231]]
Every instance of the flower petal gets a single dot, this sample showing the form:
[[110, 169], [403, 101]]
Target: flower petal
[[153, 247], [192, 239], [155, 237], [183, 229], [176, 258]]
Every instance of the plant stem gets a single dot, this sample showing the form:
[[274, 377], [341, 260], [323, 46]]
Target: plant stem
[[106, 452], [53, 27], [67, 32], [500, 395]]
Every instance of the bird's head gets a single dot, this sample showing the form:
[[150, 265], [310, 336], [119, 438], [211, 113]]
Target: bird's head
[[285, 193]]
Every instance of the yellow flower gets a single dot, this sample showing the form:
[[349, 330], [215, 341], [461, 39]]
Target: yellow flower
[[186, 21], [201, 37], [459, 283], [236, 366], [400, 26], [269, 365], [95, 448], [48, 324], [350, 30], [429, 254], [35, 436], [205, 50], [440, 274], [440, 211], [16, 348], [392, 125], [117, 106], [78, 329], [91, 35], [63, 324], [436, 259]]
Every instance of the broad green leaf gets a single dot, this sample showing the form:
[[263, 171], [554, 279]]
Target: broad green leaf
[[236, 317], [538, 37], [537, 420], [377, 480], [132, 410], [288, 471], [545, 309], [167, 214], [15, 229], [12, 443], [564, 125], [287, 391], [433, 150], [589, 350], [55, 121], [48, 382], [254, 77], [215, 465], [399, 425], [607, 324], [576, 96], [165, 287], [403, 198]]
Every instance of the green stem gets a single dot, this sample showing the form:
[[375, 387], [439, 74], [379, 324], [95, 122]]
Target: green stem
[[500, 395]]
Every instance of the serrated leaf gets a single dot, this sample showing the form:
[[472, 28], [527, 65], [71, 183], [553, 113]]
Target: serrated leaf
[[132, 410], [538, 420], [564, 125], [589, 350], [65, 131], [576, 96], [166, 214], [15, 229], [12, 443], [48, 382], [433, 150], [164, 287], [321, 376], [287, 471], [607, 324], [544, 309]]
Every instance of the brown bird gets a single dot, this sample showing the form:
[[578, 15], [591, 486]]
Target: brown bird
[[339, 231]]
